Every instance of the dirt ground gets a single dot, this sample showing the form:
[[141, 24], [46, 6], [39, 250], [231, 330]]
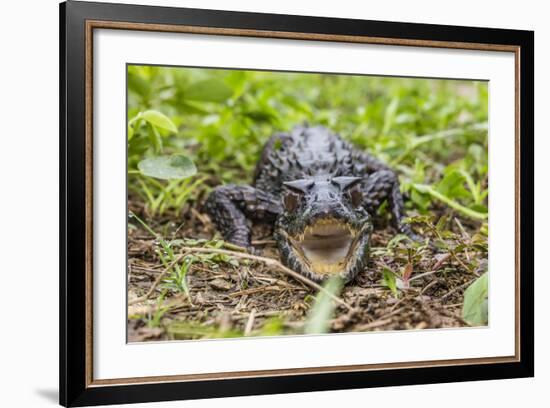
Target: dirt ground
[[234, 298]]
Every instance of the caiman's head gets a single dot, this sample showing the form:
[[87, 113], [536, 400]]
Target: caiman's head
[[324, 230]]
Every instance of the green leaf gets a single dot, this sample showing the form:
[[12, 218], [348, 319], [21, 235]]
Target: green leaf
[[168, 167], [452, 185], [272, 327], [389, 281], [440, 226], [389, 115], [154, 137], [475, 310], [130, 132], [318, 320], [426, 189], [159, 120], [139, 85], [208, 90]]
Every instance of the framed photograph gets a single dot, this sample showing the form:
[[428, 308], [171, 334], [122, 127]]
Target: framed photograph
[[256, 203]]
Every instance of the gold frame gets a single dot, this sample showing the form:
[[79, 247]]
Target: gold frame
[[99, 24]]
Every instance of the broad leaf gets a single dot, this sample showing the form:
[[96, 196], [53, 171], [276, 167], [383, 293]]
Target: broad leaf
[[168, 167], [389, 281], [208, 90], [318, 320], [475, 310], [452, 185], [139, 85], [159, 120]]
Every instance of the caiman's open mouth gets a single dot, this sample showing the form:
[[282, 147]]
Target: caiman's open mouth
[[326, 246]]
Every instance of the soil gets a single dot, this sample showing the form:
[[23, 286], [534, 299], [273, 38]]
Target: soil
[[253, 299]]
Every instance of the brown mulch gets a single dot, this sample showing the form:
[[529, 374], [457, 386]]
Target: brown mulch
[[257, 300]]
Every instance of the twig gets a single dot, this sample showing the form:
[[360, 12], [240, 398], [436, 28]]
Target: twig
[[250, 323], [157, 281], [429, 285], [233, 247], [449, 249], [446, 295], [200, 217], [441, 261], [397, 304], [453, 305], [392, 313], [263, 242], [423, 275], [373, 325], [274, 263], [255, 290], [462, 230]]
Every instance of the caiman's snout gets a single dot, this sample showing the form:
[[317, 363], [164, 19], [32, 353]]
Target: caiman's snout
[[323, 231]]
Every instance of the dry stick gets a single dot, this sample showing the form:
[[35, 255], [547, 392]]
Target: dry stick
[[200, 217], [453, 305], [441, 261], [392, 313], [250, 323], [429, 285], [462, 230], [156, 282], [446, 295], [382, 320], [264, 242], [423, 275], [271, 262], [251, 291], [373, 325]]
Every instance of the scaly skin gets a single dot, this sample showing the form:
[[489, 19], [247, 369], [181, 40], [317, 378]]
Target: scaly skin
[[306, 176]]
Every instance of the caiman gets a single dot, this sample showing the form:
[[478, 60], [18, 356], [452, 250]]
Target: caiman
[[320, 193]]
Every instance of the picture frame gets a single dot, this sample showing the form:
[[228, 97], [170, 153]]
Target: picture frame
[[79, 21]]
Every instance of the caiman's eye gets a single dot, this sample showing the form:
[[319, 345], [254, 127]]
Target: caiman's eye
[[356, 197], [291, 201], [295, 189]]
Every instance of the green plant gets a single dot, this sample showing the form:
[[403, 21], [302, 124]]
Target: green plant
[[390, 280], [191, 129], [159, 311], [177, 266], [476, 303], [318, 320], [433, 131]]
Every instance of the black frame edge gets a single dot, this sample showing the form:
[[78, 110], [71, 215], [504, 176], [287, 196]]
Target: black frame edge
[[527, 197], [72, 196], [62, 208], [72, 387]]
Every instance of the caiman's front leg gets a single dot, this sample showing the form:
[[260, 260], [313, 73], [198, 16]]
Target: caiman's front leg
[[230, 206], [383, 185]]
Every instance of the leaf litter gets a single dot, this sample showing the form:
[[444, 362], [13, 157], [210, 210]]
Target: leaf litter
[[405, 287]]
